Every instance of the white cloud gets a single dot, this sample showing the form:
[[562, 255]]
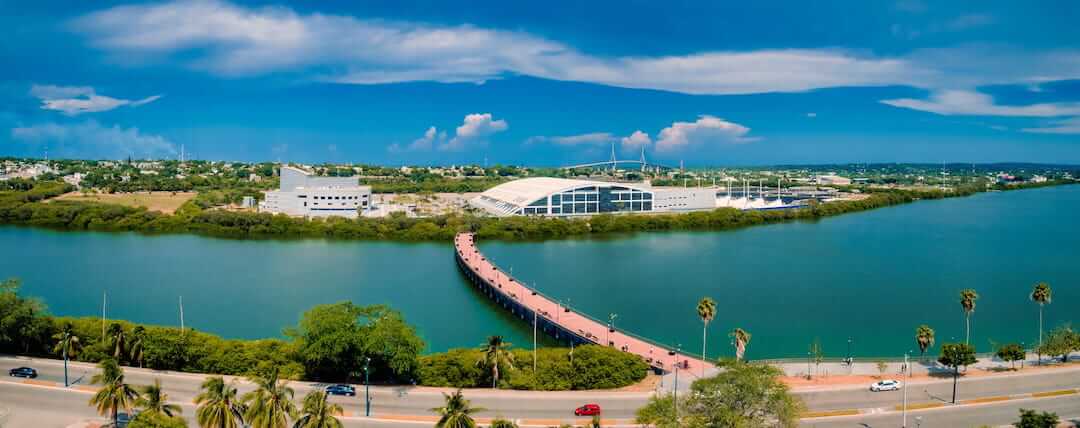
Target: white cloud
[[707, 130], [1066, 126], [476, 127], [75, 100], [958, 102], [91, 140], [227, 39], [966, 22], [422, 144], [635, 142], [811, 115]]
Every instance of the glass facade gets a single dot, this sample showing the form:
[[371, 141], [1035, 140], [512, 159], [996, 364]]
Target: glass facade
[[591, 200]]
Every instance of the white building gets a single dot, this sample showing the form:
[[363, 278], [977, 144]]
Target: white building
[[303, 194], [834, 180], [548, 196]]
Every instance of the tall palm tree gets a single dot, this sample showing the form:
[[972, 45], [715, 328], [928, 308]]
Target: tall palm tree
[[967, 301], [741, 338], [318, 413], [270, 404], [496, 352], [1041, 294], [456, 413], [706, 310], [154, 400], [114, 393], [138, 336], [67, 345], [218, 405], [118, 338], [924, 336]]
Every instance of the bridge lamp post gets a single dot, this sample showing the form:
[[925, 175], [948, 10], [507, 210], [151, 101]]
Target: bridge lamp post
[[611, 326]]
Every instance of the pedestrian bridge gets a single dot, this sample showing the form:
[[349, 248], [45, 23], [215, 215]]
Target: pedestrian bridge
[[556, 320]]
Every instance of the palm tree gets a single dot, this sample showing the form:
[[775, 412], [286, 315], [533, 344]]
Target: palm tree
[[118, 339], [501, 422], [318, 413], [741, 338], [456, 413], [138, 335], [270, 404], [496, 352], [218, 405], [1041, 294], [924, 336], [154, 400], [706, 310], [67, 345], [114, 393], [967, 301]]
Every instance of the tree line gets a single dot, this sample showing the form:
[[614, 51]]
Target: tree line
[[25, 208], [331, 343]]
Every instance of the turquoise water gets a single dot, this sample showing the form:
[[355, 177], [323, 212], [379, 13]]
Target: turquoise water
[[872, 276]]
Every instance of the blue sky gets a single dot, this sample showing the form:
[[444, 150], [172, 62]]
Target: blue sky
[[543, 83]]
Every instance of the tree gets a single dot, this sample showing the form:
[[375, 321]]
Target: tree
[[319, 413], [740, 338], [1034, 419], [706, 310], [270, 404], [155, 420], [1061, 341], [114, 393], [881, 368], [817, 353], [333, 339], [967, 302], [24, 323], [218, 405], [117, 339], [456, 412], [1041, 294], [955, 355], [67, 345], [496, 352], [501, 422], [138, 337], [1012, 353], [924, 337], [741, 395], [154, 400]]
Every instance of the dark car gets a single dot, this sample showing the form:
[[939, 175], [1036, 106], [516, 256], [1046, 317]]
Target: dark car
[[587, 410], [341, 390], [26, 372], [123, 419]]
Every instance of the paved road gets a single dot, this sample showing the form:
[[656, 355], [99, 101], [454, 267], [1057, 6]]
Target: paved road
[[1067, 408], [183, 387]]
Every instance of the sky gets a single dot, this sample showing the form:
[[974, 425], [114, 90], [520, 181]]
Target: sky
[[543, 83]]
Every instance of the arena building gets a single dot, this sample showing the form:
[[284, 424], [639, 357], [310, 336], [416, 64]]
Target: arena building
[[548, 196], [303, 194]]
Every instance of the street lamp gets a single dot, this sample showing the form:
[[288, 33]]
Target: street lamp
[[367, 393], [611, 327], [907, 377]]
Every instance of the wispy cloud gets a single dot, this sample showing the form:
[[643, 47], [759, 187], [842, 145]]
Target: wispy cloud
[[589, 139], [228, 39], [76, 100], [89, 139], [972, 103], [1065, 126]]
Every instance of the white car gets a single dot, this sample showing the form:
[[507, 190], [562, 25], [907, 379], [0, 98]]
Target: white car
[[885, 385]]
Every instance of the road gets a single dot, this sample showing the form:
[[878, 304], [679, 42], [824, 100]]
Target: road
[[1067, 408], [387, 400]]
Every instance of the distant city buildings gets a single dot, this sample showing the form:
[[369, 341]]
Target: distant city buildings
[[833, 180], [301, 193]]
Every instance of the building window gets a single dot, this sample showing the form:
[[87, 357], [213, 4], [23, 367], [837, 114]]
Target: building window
[[556, 199], [579, 197], [646, 206], [556, 210], [590, 197]]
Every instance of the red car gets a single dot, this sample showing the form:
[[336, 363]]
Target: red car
[[587, 410]]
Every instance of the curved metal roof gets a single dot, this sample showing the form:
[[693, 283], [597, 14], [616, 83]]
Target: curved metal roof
[[506, 198]]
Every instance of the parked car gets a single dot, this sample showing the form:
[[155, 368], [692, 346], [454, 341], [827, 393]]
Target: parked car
[[587, 410], [26, 372], [341, 390], [885, 385], [123, 419]]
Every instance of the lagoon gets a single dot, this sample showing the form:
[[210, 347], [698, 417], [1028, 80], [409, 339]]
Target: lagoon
[[870, 276]]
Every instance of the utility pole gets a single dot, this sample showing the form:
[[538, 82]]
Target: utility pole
[[367, 393], [534, 339], [181, 315], [103, 315]]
